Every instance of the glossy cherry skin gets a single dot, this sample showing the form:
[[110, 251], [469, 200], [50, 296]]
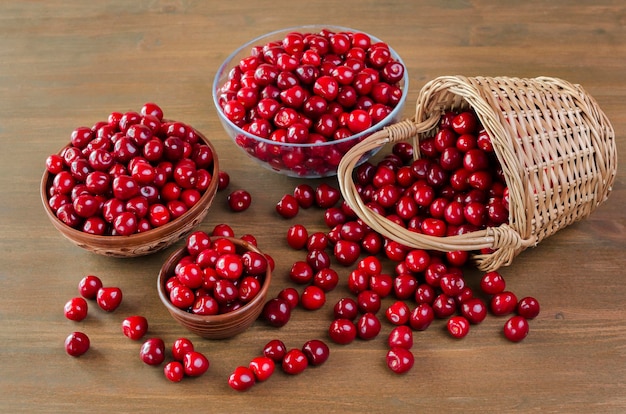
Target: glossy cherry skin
[[180, 348], [262, 367], [152, 351], [135, 327], [528, 307], [241, 379], [368, 326], [503, 303], [239, 200], [277, 312], [76, 344], [294, 362], [316, 351], [458, 326], [195, 364], [516, 328], [492, 283], [400, 337], [288, 206], [346, 308], [76, 309], [342, 331], [109, 298], [297, 236], [312, 298], [474, 310], [400, 360], [275, 350], [174, 371]]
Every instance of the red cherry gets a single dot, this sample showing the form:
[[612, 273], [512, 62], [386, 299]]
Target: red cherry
[[152, 351], [516, 328], [109, 298], [88, 286], [76, 309], [195, 364], [239, 200], [241, 379], [76, 344], [135, 327], [400, 360], [294, 362]]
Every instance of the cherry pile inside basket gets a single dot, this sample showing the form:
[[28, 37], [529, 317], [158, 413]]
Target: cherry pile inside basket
[[128, 174], [456, 186]]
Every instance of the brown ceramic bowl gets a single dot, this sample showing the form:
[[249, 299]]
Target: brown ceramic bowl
[[219, 326], [138, 244]]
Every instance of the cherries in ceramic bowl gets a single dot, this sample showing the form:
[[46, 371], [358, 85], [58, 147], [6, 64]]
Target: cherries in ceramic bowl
[[296, 100], [130, 185], [215, 286]]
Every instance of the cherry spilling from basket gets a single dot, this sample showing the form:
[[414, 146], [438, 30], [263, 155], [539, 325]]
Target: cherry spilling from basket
[[456, 186]]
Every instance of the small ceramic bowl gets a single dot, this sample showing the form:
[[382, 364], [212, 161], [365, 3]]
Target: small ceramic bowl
[[138, 244], [220, 326], [303, 160]]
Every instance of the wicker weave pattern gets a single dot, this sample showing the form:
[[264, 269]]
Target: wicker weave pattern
[[555, 145]]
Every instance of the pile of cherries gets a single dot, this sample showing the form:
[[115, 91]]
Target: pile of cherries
[[456, 186], [129, 174], [310, 88], [214, 276]]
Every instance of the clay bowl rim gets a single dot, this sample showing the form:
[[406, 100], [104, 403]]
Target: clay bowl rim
[[167, 270], [136, 239]]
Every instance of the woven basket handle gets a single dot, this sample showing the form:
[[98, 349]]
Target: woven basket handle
[[502, 240]]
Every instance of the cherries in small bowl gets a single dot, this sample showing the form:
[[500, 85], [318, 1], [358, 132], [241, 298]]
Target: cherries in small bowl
[[215, 286], [296, 100], [130, 185]]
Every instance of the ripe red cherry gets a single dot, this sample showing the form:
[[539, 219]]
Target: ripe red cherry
[[109, 298], [465, 123], [516, 328], [342, 331], [400, 360], [76, 344], [316, 351], [305, 195], [398, 313], [135, 327], [288, 206], [195, 364], [174, 371], [76, 309], [421, 317], [326, 279], [528, 307], [346, 308], [492, 283], [313, 298], [400, 337], [458, 326], [239, 200], [326, 196], [291, 295], [277, 312], [503, 303], [181, 347], [368, 326], [262, 367], [297, 236], [347, 252], [88, 286], [241, 379], [294, 362], [474, 309], [275, 350], [152, 351]]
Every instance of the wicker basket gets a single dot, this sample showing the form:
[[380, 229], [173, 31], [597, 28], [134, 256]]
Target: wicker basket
[[555, 145]]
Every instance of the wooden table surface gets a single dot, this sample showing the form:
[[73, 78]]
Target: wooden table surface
[[65, 64]]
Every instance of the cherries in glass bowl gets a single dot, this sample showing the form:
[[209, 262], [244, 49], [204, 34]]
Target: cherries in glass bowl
[[130, 185], [296, 100]]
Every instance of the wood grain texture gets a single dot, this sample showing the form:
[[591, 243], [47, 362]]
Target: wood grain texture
[[69, 63]]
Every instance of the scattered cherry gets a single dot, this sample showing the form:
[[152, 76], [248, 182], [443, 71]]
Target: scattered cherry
[[109, 298], [516, 328], [76, 344], [76, 309], [135, 327], [152, 351]]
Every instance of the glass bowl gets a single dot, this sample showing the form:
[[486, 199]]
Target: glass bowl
[[319, 154]]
